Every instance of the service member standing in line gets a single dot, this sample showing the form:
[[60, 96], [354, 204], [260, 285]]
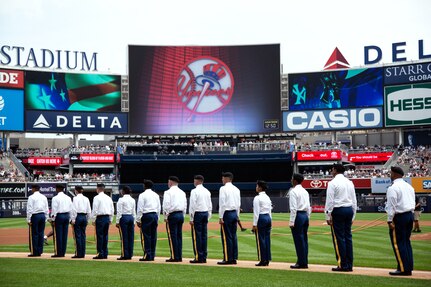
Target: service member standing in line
[[81, 213], [174, 210], [300, 210], [340, 209], [200, 212], [103, 211], [61, 208], [400, 205], [148, 220], [262, 223], [37, 213], [229, 208], [126, 214]]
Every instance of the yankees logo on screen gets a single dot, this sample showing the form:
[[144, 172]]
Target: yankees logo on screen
[[205, 85]]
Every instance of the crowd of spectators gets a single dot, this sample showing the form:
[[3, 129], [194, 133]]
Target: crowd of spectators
[[417, 160], [49, 175], [8, 171]]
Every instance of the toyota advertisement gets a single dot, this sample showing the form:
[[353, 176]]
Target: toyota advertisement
[[204, 90], [360, 183]]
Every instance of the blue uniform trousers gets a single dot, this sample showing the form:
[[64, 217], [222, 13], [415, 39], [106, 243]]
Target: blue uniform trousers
[[102, 228], [200, 235], [61, 229], [149, 223], [263, 237], [228, 235], [342, 236], [36, 232], [400, 239], [127, 234], [300, 237], [174, 228], [79, 233]]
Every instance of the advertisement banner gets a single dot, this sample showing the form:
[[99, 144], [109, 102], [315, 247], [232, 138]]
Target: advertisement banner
[[76, 122], [405, 74], [11, 79], [204, 90], [92, 158], [318, 155], [421, 184], [370, 157], [341, 89], [46, 161], [381, 184], [13, 207], [336, 119], [11, 110], [12, 190], [360, 183], [72, 92], [46, 188], [408, 105]]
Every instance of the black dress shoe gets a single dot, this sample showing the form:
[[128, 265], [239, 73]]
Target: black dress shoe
[[173, 260], [121, 258], [297, 266], [229, 262], [78, 256], [33, 255], [339, 269], [145, 259], [194, 261], [56, 256], [99, 257], [262, 263], [399, 273]]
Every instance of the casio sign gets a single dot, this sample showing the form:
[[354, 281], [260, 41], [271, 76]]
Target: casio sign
[[333, 119]]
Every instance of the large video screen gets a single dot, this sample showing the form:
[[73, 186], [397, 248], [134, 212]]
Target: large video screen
[[204, 90], [339, 89], [72, 92]]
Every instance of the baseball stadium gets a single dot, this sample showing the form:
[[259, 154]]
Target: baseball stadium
[[209, 164]]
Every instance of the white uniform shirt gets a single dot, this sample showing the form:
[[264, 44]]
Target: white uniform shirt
[[61, 203], [174, 199], [400, 198], [126, 205], [148, 201], [229, 199], [261, 205], [200, 201], [37, 203], [102, 205], [299, 200], [81, 204], [340, 193]]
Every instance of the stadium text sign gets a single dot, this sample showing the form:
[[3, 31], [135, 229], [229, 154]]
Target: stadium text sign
[[12, 190], [318, 155], [45, 58], [408, 105], [339, 119], [411, 73]]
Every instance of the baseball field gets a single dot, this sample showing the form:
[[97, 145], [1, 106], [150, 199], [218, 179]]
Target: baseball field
[[372, 250]]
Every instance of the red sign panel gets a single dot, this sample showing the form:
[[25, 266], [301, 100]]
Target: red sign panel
[[318, 155], [11, 79], [53, 161], [370, 157], [97, 158], [360, 183]]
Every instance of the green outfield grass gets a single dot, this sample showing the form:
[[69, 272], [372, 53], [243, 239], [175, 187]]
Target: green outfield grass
[[372, 246], [30, 272]]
